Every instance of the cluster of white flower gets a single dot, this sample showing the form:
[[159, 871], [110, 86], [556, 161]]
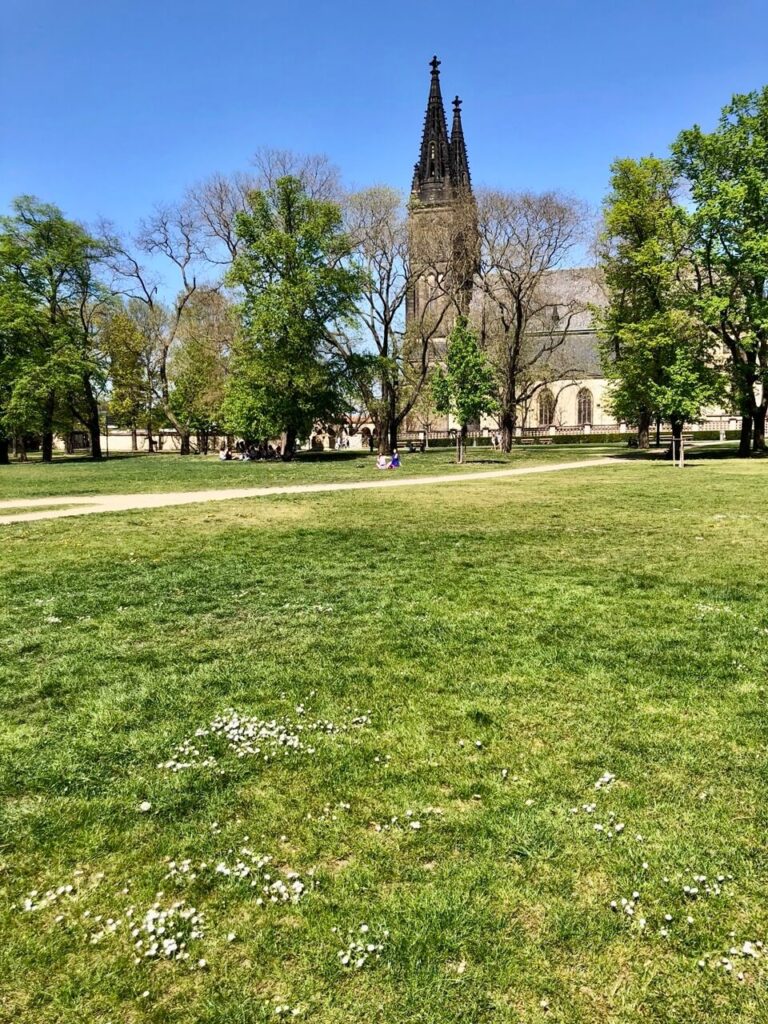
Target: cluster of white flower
[[38, 901], [330, 812], [275, 886], [408, 821], [703, 888], [749, 951], [362, 945], [605, 780], [282, 1009], [252, 737], [110, 926], [321, 609], [166, 932], [611, 828]]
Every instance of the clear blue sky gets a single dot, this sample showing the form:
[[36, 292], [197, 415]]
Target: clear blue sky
[[109, 107]]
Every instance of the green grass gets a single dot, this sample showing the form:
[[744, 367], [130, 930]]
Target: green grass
[[611, 619], [129, 474]]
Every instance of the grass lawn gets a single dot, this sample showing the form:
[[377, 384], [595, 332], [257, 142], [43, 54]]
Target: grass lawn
[[470, 660], [129, 474]]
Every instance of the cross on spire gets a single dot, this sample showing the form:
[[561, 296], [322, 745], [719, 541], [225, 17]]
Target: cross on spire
[[442, 166]]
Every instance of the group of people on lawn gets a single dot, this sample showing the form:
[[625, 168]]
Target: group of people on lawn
[[249, 453], [253, 453], [382, 462]]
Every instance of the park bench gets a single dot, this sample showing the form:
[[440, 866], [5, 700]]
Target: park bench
[[544, 439]]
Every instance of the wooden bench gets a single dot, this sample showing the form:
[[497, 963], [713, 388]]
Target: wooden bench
[[666, 438]]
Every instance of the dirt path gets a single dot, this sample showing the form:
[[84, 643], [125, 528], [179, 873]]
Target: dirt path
[[79, 506]]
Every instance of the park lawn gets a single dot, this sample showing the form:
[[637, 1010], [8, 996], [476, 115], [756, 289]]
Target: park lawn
[[501, 645], [130, 474]]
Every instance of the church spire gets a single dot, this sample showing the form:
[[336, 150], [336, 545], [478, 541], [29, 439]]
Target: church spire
[[459, 163], [433, 176]]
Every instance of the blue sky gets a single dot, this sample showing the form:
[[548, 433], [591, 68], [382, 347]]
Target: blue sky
[[109, 107]]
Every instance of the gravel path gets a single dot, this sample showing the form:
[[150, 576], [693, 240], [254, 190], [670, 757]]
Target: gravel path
[[45, 508]]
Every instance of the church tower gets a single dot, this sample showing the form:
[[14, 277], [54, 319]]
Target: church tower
[[442, 228]]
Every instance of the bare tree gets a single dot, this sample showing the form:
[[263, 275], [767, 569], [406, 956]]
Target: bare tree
[[216, 201], [172, 233], [522, 315], [389, 363], [321, 178]]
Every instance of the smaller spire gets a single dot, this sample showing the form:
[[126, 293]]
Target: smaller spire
[[459, 162]]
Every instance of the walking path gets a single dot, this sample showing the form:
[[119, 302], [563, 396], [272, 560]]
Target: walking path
[[79, 506]]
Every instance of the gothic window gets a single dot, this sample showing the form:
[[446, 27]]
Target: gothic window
[[584, 407], [546, 408]]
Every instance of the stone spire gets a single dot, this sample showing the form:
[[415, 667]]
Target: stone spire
[[432, 177], [459, 163]]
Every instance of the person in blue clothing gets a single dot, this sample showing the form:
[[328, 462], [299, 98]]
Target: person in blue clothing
[[395, 463]]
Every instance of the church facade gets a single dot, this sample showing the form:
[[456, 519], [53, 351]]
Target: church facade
[[571, 395]]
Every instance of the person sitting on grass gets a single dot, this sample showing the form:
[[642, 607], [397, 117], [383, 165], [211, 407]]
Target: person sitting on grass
[[225, 455], [395, 463], [382, 462]]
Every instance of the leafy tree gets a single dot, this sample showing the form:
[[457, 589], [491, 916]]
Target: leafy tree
[[727, 173], [290, 268], [132, 343], [198, 365], [656, 353], [466, 386], [52, 298]]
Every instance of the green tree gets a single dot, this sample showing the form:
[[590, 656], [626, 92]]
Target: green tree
[[132, 343], [290, 268], [656, 353], [51, 309], [727, 173], [465, 387], [199, 362]]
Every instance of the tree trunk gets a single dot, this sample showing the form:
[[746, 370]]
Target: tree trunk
[[677, 433], [288, 444], [92, 419], [392, 439], [184, 446], [745, 439], [461, 442], [4, 457], [134, 439], [758, 441], [508, 423], [47, 445], [388, 423], [644, 430]]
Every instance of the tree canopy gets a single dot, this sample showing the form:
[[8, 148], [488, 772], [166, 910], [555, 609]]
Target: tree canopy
[[291, 272]]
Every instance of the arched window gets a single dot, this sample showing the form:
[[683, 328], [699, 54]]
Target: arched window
[[546, 408], [584, 407]]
